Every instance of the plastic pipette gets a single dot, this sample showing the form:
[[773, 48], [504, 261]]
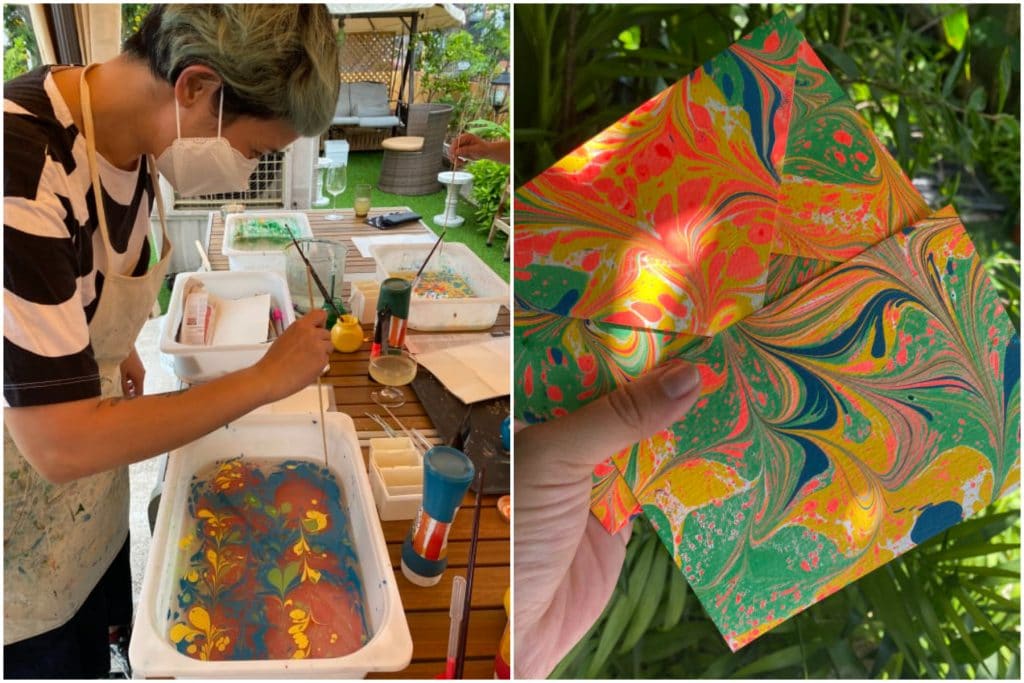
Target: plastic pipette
[[455, 612]]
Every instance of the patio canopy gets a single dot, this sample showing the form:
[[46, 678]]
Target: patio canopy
[[394, 17], [399, 18]]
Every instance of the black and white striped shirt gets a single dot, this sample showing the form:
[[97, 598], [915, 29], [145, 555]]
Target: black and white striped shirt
[[54, 259]]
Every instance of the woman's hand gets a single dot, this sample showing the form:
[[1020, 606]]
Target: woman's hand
[[133, 375], [566, 563], [297, 357], [469, 146]]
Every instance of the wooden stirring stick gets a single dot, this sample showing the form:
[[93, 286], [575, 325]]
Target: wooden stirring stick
[[319, 388]]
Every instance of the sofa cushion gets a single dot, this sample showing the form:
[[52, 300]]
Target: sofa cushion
[[369, 98], [367, 109], [343, 107], [378, 121], [345, 121], [404, 143]]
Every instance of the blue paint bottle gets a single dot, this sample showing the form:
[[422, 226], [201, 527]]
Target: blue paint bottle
[[447, 473]]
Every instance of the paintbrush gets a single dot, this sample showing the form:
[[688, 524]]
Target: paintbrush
[[419, 273], [460, 659], [319, 390], [316, 278]]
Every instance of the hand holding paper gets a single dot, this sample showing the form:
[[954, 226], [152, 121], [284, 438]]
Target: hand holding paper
[[566, 564]]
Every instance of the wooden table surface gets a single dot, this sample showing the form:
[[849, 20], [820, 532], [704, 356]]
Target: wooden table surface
[[426, 609]]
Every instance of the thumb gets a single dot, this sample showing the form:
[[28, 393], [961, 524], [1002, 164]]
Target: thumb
[[635, 411]]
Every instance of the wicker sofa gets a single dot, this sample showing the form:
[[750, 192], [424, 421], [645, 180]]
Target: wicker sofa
[[363, 115]]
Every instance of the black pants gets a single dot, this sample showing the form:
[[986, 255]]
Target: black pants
[[80, 648]]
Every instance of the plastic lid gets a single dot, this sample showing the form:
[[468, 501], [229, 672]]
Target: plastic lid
[[395, 294]]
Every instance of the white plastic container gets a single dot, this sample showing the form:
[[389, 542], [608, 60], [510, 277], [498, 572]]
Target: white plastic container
[[433, 315], [194, 363], [241, 258], [286, 437], [363, 300], [396, 478]]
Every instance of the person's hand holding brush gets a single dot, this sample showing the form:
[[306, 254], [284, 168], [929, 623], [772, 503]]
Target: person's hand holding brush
[[472, 147]]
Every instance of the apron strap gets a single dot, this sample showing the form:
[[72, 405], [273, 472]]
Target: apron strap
[[94, 172], [155, 178]]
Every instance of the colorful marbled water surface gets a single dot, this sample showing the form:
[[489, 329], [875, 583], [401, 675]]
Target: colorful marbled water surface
[[838, 427], [439, 284], [268, 571], [252, 233], [673, 218]]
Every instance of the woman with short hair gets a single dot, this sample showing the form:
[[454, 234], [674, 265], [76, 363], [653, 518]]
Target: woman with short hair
[[199, 94]]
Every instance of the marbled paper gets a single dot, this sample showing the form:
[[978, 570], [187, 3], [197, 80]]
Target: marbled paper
[[838, 427], [697, 208]]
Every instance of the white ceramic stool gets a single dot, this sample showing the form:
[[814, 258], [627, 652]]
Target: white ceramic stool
[[453, 179]]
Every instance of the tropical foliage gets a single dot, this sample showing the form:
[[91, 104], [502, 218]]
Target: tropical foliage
[[457, 66], [20, 51], [940, 84]]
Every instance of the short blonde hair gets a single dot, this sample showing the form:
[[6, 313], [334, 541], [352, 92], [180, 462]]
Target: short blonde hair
[[276, 61]]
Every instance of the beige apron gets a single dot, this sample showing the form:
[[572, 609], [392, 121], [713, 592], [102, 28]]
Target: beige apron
[[59, 540]]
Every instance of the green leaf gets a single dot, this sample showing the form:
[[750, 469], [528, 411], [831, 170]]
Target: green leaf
[[955, 26], [613, 628], [840, 59], [675, 603], [965, 550], [975, 613], [649, 603], [980, 646], [976, 102], [641, 570], [630, 38], [1004, 78], [926, 611], [902, 132], [965, 642], [785, 658], [845, 662], [954, 74], [987, 525]]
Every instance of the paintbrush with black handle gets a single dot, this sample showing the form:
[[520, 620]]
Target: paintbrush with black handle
[[419, 273], [316, 278], [460, 658]]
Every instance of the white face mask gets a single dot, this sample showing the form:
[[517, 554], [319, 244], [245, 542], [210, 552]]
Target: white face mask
[[198, 166]]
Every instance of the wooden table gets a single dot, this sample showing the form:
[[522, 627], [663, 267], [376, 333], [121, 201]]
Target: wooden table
[[426, 609]]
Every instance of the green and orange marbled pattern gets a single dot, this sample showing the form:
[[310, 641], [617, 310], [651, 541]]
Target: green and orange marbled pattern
[[838, 427], [671, 218]]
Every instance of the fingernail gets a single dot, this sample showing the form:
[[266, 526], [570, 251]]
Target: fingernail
[[679, 379]]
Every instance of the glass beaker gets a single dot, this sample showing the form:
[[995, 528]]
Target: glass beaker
[[328, 261]]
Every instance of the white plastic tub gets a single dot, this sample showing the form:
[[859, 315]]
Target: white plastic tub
[[431, 315], [240, 257], [284, 437], [193, 363]]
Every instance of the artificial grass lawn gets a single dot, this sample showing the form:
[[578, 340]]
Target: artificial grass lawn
[[364, 167]]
